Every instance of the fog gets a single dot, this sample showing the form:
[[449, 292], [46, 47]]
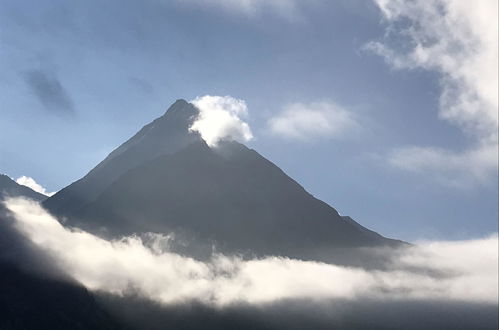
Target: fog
[[460, 271]]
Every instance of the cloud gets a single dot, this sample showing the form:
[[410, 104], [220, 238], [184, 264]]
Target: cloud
[[457, 39], [313, 121], [458, 169], [464, 271], [288, 9], [31, 183], [220, 119], [141, 85], [49, 91]]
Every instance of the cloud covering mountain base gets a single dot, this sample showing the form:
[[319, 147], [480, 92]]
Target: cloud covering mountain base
[[452, 274]]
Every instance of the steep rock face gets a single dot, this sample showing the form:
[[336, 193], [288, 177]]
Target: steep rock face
[[166, 179]]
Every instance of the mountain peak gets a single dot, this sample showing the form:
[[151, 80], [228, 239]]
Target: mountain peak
[[179, 103], [182, 106], [164, 135]]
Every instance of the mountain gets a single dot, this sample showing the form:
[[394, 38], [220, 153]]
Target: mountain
[[30, 296], [167, 179], [164, 135], [30, 301], [10, 188]]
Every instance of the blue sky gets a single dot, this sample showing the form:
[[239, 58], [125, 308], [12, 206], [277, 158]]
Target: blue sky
[[386, 110]]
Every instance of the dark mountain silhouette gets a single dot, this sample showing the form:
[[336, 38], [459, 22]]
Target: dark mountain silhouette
[[34, 294], [30, 301], [10, 188], [166, 179]]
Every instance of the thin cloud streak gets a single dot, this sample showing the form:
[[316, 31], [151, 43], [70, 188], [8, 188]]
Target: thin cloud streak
[[313, 121], [288, 9]]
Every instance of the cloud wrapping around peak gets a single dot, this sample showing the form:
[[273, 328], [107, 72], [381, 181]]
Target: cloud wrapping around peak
[[436, 271], [220, 119], [31, 183], [307, 122], [457, 39]]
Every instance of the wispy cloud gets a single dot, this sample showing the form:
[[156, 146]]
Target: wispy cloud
[[309, 122], [456, 271], [288, 9], [457, 39], [458, 169], [31, 183], [220, 118], [49, 91]]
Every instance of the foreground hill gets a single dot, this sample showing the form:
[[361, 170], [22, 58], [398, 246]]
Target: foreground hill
[[34, 293]]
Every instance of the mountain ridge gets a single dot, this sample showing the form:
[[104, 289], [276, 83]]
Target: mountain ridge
[[10, 188], [82, 191]]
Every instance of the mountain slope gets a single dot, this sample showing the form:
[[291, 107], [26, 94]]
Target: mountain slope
[[30, 301], [164, 135], [231, 196], [10, 188], [31, 296]]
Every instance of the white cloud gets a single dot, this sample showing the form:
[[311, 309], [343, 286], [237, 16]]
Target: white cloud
[[457, 39], [220, 119], [461, 271], [312, 121], [31, 183]]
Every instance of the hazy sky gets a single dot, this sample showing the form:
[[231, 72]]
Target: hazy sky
[[386, 110]]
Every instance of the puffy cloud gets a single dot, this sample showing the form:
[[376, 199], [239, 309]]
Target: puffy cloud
[[220, 119], [463, 271], [31, 183], [307, 122], [457, 39]]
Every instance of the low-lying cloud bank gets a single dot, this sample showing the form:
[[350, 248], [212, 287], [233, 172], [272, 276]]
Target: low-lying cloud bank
[[461, 271]]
